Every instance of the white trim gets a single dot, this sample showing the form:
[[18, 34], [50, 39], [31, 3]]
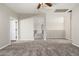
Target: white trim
[[75, 45], [26, 39], [5, 46]]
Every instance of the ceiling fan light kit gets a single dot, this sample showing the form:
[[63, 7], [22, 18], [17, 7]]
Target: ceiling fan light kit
[[43, 5]]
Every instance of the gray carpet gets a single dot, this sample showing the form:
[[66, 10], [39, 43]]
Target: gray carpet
[[41, 48]]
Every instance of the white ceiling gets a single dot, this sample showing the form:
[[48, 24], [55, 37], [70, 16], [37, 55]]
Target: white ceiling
[[22, 7], [30, 8]]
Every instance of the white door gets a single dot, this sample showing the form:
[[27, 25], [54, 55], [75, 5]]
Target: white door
[[26, 29], [13, 30]]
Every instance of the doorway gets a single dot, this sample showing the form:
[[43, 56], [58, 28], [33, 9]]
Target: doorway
[[13, 29]]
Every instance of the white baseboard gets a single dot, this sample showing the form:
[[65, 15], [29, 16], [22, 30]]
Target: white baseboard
[[5, 46], [75, 45], [25, 39]]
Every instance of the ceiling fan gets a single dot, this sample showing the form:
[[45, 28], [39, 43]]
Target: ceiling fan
[[41, 5]]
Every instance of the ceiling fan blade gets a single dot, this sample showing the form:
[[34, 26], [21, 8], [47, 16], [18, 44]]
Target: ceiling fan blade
[[49, 4], [39, 5]]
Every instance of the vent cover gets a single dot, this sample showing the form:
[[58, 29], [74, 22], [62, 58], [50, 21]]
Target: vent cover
[[61, 10]]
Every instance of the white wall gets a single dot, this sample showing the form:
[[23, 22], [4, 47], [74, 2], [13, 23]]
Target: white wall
[[75, 25], [55, 22], [58, 25], [55, 25], [5, 14], [26, 29], [67, 26]]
